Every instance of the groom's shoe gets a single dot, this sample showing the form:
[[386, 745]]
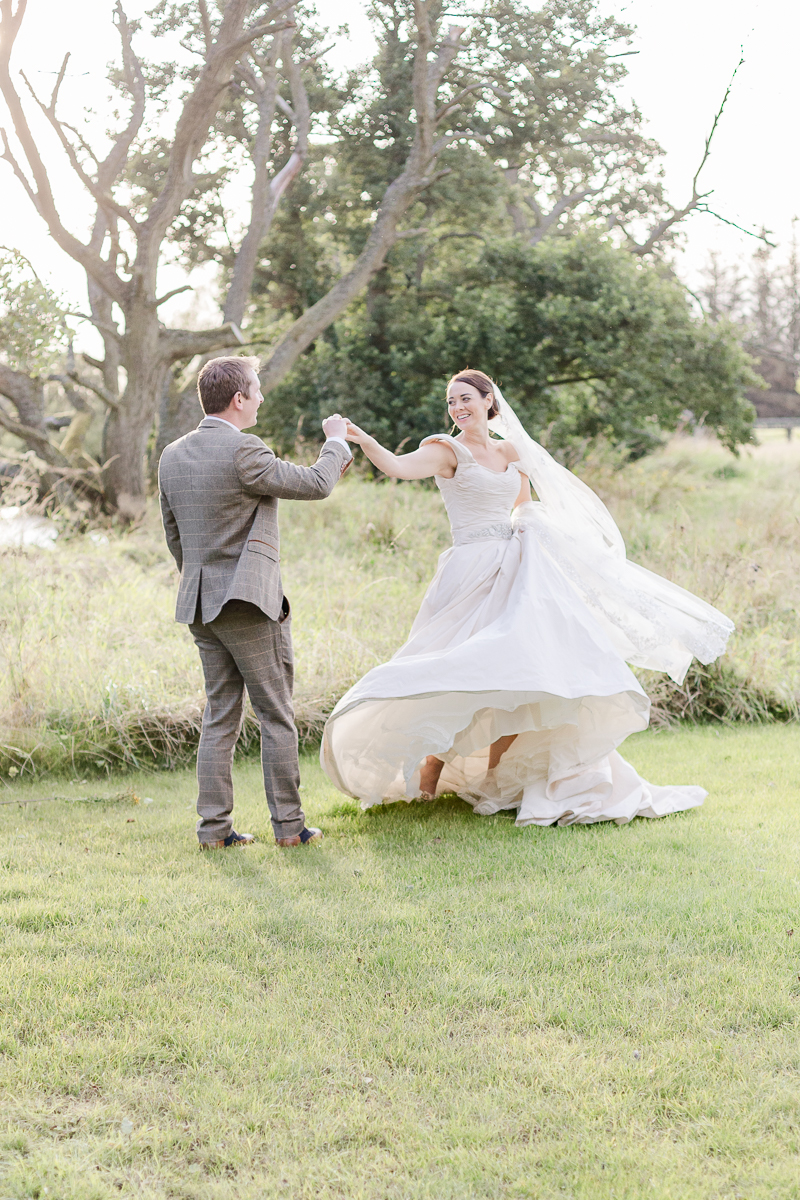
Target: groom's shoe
[[233, 839], [304, 838]]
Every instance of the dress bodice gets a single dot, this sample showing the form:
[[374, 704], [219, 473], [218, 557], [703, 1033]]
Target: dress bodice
[[478, 500]]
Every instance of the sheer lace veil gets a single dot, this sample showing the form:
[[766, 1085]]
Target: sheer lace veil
[[651, 622], [571, 505]]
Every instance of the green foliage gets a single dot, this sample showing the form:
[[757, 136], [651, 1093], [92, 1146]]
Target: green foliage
[[33, 334], [586, 339]]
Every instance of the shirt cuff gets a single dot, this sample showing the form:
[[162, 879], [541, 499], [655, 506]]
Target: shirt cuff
[[341, 442]]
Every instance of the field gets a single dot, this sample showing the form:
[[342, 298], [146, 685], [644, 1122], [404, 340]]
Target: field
[[95, 676], [429, 1004]]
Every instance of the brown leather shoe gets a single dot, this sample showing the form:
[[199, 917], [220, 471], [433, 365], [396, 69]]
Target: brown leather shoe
[[233, 839], [304, 838]]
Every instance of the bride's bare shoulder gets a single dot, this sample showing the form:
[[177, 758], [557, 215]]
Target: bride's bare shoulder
[[441, 441], [509, 451], [442, 445]]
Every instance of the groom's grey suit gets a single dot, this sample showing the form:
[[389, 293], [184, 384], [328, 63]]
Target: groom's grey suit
[[219, 492]]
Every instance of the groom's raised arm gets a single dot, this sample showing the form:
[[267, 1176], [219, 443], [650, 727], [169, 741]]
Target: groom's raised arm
[[262, 473]]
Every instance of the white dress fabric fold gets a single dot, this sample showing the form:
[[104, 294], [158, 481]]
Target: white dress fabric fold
[[513, 638]]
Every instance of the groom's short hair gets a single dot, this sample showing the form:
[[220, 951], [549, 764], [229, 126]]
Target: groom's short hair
[[220, 380]]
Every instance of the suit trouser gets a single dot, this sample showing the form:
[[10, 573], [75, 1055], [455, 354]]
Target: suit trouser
[[242, 648]]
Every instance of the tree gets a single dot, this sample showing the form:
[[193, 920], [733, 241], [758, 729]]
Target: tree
[[517, 118], [764, 305], [122, 256], [116, 275], [270, 108], [552, 156]]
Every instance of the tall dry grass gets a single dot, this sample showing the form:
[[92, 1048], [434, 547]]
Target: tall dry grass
[[96, 674]]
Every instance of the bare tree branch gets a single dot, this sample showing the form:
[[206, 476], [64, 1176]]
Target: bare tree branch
[[696, 200], [546, 221], [103, 326], [264, 87], [97, 388], [185, 343], [195, 120], [264, 29], [40, 191], [27, 433], [205, 24], [455, 103], [186, 287], [26, 393], [103, 198], [760, 237], [8, 156], [111, 167], [418, 173], [459, 135]]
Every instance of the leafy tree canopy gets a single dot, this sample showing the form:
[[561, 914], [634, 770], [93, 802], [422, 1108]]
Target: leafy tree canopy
[[585, 339]]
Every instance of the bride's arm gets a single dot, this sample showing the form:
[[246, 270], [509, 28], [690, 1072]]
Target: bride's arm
[[433, 459], [524, 496]]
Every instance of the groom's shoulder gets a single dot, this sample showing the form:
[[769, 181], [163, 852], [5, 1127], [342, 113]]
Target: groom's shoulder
[[253, 442], [210, 442], [250, 446]]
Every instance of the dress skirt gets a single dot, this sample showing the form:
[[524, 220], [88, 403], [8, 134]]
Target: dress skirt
[[503, 643]]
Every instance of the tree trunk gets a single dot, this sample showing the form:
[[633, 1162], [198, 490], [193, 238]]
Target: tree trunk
[[149, 353], [179, 413], [128, 425]]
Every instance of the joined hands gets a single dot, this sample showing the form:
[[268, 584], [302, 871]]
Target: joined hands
[[335, 426], [339, 426]]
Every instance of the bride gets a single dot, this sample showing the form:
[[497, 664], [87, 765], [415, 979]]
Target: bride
[[512, 690]]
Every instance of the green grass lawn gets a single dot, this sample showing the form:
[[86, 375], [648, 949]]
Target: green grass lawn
[[429, 1004]]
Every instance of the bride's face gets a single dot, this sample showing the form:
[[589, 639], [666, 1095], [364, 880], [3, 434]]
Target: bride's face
[[466, 406]]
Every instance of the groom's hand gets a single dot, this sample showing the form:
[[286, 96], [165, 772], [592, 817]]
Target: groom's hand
[[334, 426]]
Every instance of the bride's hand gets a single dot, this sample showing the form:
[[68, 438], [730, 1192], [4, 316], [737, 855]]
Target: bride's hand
[[354, 434]]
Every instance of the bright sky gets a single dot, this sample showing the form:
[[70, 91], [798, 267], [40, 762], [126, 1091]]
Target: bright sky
[[688, 50]]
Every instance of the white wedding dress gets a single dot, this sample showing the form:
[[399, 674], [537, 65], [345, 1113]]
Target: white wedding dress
[[522, 633]]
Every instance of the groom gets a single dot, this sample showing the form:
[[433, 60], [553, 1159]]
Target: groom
[[219, 489]]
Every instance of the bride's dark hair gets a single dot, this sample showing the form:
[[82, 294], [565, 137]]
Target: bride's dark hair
[[482, 382]]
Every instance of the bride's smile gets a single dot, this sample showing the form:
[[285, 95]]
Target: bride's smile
[[461, 403]]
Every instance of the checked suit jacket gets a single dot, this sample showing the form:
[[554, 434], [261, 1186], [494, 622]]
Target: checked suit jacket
[[219, 492]]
